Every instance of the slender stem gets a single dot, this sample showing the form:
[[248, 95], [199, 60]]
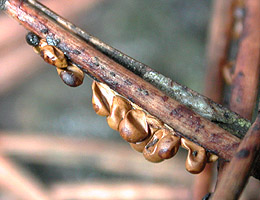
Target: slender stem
[[218, 47], [185, 121], [236, 174], [202, 183], [19, 182], [197, 102], [246, 76], [217, 56], [230, 57], [243, 100], [126, 83], [62, 151]]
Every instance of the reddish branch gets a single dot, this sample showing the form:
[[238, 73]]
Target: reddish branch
[[19, 182], [217, 57], [179, 117], [243, 100], [218, 47], [247, 71], [236, 174], [198, 103]]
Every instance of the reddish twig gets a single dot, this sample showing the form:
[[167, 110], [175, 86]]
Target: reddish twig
[[185, 121], [21, 184], [243, 96], [236, 174], [197, 102], [217, 57], [126, 83], [202, 183], [218, 47], [247, 71], [13, 49], [71, 152]]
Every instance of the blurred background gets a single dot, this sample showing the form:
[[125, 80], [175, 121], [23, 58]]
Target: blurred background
[[52, 140]]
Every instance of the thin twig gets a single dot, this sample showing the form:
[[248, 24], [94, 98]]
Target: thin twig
[[19, 182], [246, 76], [197, 102], [126, 83], [236, 174], [218, 47], [243, 100], [179, 117], [74, 152], [13, 49], [217, 58]]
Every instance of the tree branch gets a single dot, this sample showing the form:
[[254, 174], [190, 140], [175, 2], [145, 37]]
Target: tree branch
[[246, 76], [96, 64], [243, 100], [20, 182], [218, 45], [205, 107], [236, 174]]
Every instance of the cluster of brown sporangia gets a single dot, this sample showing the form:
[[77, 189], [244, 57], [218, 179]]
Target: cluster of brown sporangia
[[144, 132], [70, 74]]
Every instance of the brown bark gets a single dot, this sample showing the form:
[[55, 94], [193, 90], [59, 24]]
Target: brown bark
[[217, 57], [126, 83], [197, 102], [236, 174], [246, 76], [182, 119], [218, 47], [13, 50], [244, 86]]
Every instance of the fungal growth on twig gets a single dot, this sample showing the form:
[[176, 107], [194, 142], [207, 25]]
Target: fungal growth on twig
[[70, 74], [119, 108], [196, 159], [144, 132], [163, 145], [134, 127]]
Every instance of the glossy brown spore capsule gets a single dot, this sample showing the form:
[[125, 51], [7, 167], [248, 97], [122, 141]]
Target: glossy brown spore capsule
[[120, 106], [49, 53], [163, 145], [52, 55], [71, 76], [107, 93], [168, 146], [134, 128], [139, 146], [196, 159], [99, 102], [154, 123]]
